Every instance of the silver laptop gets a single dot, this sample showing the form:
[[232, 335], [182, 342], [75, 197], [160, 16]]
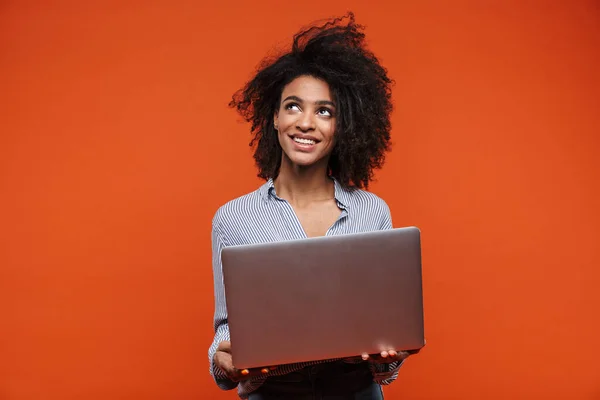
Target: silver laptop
[[325, 297]]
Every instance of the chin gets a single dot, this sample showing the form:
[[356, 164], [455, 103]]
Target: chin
[[304, 161]]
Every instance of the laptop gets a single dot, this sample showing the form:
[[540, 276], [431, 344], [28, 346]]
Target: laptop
[[325, 297]]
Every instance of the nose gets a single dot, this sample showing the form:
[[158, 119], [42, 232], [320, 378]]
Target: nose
[[305, 122]]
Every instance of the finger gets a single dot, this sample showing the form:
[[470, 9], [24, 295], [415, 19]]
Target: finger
[[251, 372], [392, 353], [224, 346], [223, 360], [365, 356], [384, 354]]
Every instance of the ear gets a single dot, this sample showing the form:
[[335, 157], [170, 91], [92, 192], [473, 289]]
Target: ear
[[276, 120]]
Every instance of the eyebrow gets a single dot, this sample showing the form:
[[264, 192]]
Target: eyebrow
[[318, 102]]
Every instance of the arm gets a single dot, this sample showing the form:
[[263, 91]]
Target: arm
[[385, 217], [220, 317], [384, 374]]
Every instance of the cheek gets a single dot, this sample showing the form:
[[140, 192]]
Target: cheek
[[330, 132], [280, 137], [284, 122]]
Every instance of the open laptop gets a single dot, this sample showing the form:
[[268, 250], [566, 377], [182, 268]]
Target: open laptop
[[325, 297]]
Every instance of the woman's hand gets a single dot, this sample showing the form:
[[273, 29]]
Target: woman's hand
[[389, 356], [224, 361]]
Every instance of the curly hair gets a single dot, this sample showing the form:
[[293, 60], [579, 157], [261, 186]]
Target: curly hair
[[334, 52]]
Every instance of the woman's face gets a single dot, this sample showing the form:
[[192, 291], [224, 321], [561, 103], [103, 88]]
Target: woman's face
[[305, 121]]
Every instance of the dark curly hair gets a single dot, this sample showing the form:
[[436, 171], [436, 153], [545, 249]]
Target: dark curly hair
[[334, 52]]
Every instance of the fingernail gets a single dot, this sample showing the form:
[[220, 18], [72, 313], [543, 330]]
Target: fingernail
[[264, 370], [365, 357], [245, 372], [392, 353], [384, 354]]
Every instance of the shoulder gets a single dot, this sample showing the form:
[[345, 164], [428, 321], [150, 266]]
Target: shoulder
[[368, 201], [238, 208], [370, 210]]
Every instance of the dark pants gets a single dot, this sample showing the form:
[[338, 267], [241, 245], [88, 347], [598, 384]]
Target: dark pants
[[330, 381]]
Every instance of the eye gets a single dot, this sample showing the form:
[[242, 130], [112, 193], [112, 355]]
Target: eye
[[325, 112], [292, 106]]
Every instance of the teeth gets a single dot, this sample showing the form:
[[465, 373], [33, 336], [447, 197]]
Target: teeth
[[304, 141]]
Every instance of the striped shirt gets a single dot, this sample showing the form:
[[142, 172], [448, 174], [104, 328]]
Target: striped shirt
[[261, 217]]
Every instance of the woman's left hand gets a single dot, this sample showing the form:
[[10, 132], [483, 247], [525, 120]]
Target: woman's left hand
[[389, 356]]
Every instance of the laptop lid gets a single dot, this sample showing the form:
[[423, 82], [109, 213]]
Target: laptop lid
[[325, 297]]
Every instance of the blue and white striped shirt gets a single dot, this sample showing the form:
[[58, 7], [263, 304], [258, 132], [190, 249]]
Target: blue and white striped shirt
[[261, 217]]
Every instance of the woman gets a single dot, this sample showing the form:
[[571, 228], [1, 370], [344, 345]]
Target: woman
[[320, 120]]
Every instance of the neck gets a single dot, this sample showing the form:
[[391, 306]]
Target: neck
[[301, 186]]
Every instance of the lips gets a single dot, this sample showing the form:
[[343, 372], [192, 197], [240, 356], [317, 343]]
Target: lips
[[304, 139]]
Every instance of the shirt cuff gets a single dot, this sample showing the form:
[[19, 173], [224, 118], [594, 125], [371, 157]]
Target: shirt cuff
[[384, 374]]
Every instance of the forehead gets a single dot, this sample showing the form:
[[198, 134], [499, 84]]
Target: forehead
[[307, 88]]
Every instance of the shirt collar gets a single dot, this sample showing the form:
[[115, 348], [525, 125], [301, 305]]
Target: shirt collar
[[342, 195]]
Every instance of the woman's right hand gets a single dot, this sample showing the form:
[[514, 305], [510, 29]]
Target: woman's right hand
[[223, 360]]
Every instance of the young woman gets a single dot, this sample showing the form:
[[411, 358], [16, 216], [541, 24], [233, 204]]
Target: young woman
[[320, 125]]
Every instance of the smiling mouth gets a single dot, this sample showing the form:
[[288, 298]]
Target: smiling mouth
[[303, 141]]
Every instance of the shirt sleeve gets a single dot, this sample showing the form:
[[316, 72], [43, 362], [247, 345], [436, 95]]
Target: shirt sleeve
[[384, 374], [220, 325], [385, 217]]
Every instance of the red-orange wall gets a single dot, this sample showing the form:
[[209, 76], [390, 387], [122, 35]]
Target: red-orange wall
[[116, 148]]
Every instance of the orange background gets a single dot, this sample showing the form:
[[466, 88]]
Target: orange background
[[117, 147]]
